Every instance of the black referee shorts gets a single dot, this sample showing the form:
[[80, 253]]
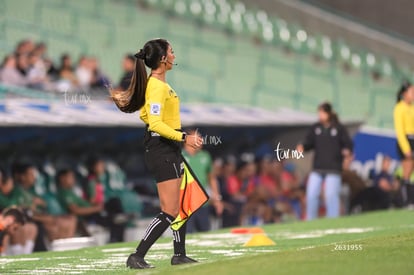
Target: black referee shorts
[[162, 157], [400, 152]]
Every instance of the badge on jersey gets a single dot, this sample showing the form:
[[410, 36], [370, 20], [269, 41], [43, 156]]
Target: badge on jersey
[[155, 109]]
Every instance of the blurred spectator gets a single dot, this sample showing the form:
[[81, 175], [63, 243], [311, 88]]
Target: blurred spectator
[[382, 195], [24, 47], [388, 185], [20, 239], [94, 191], [201, 164], [66, 71], [224, 173], [259, 206], [22, 64], [84, 73], [99, 79], [67, 196], [57, 227], [97, 191], [128, 66], [51, 70], [267, 179], [9, 74], [37, 72], [16, 237], [239, 186], [292, 194], [331, 142], [13, 195], [223, 170], [351, 178], [29, 66]]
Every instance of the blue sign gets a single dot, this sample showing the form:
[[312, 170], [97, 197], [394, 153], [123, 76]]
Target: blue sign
[[369, 150]]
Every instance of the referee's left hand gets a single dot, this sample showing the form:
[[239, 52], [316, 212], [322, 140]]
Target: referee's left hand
[[194, 141]]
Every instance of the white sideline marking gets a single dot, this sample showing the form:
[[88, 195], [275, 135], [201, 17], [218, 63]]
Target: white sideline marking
[[321, 233], [12, 260], [121, 249]]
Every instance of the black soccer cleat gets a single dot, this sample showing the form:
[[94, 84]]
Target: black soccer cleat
[[136, 262], [177, 260]]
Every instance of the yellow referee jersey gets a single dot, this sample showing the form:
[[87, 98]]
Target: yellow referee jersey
[[162, 109], [404, 124]]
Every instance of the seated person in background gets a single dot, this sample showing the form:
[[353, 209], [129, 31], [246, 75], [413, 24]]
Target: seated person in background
[[224, 168], [56, 227], [99, 79], [99, 191], [66, 71], [292, 195], [258, 209], [382, 195], [386, 182], [11, 194], [351, 178], [239, 187], [72, 203], [21, 239], [84, 72], [128, 66], [37, 72], [9, 74], [94, 191], [11, 220], [266, 177]]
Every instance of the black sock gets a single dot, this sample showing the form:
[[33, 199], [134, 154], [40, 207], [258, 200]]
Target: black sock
[[179, 240], [410, 193], [154, 230], [404, 190]]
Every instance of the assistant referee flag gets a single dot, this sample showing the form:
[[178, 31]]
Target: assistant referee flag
[[192, 196]]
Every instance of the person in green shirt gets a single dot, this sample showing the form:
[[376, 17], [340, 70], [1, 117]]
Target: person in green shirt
[[201, 163], [70, 201], [13, 195], [56, 226], [24, 176]]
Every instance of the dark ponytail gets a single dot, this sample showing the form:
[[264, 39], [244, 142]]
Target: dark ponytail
[[403, 88], [327, 108], [133, 98]]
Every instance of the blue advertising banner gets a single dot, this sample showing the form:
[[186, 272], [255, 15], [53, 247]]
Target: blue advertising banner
[[370, 146]]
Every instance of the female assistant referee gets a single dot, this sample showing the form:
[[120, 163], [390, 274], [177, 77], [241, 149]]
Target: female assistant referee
[[159, 108], [404, 128]]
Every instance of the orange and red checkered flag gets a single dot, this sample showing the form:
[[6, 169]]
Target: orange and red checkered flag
[[192, 196]]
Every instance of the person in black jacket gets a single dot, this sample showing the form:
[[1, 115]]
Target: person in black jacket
[[128, 66], [331, 143]]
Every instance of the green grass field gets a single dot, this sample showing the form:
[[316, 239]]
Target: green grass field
[[375, 243]]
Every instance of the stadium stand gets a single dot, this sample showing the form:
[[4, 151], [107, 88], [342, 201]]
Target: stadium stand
[[219, 44]]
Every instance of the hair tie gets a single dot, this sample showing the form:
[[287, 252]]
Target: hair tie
[[140, 54]]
